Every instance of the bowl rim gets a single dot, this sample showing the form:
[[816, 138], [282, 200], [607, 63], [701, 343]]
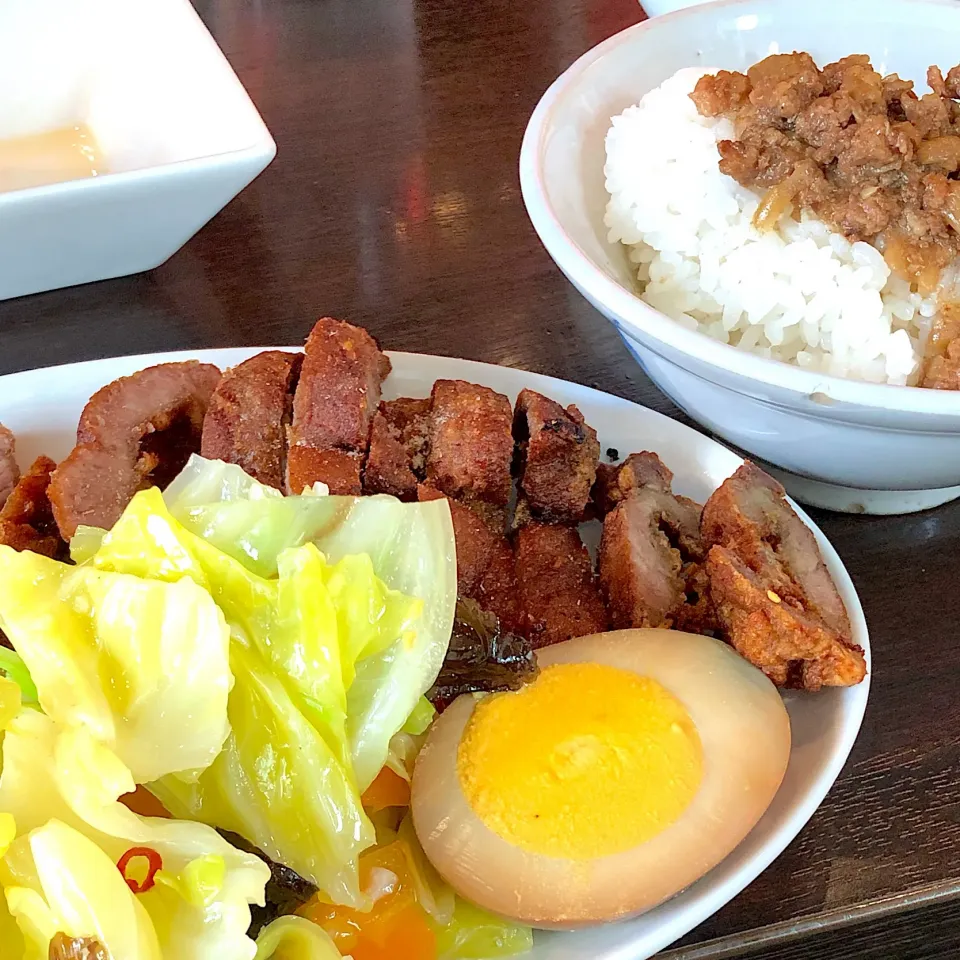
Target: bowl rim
[[635, 313]]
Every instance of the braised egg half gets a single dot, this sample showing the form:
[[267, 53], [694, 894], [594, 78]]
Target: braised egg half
[[635, 762]]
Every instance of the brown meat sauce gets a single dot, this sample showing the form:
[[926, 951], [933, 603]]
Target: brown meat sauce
[[862, 152]]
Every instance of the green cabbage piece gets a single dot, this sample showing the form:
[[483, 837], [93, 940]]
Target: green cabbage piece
[[411, 549], [13, 668], [278, 784], [421, 718], [301, 645], [474, 934], [142, 665], [463, 931], [60, 787], [293, 938], [58, 881]]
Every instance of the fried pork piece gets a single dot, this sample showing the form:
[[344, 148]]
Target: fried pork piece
[[651, 555], [774, 596], [558, 454], [559, 597], [336, 399], [26, 520], [651, 562], [9, 471], [396, 462], [136, 432], [615, 481], [248, 415], [791, 646], [471, 442], [485, 562]]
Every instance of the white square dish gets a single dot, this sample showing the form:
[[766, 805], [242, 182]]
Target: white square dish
[[178, 132]]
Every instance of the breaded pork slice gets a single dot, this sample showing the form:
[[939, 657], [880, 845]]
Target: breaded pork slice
[[9, 471], [485, 562], [136, 432], [333, 408], [248, 415], [558, 455], [775, 598], [615, 481], [26, 520], [471, 442], [647, 540], [651, 554], [397, 461], [559, 597]]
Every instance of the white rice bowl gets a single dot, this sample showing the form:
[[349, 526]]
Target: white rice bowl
[[799, 293]]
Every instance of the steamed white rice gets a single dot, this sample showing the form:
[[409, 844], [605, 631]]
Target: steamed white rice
[[799, 293]]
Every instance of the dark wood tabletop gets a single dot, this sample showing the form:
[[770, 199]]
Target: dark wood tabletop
[[394, 203]]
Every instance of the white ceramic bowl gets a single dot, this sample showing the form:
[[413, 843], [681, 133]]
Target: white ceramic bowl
[[179, 133], [656, 8], [841, 444]]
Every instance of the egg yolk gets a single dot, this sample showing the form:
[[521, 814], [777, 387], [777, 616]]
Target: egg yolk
[[587, 761]]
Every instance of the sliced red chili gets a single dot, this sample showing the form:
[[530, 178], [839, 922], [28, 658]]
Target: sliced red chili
[[154, 866]]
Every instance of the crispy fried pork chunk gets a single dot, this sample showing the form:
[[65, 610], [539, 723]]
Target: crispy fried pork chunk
[[774, 595], [333, 408], [651, 555], [9, 471], [136, 432], [485, 561], [248, 415], [471, 443], [615, 481], [649, 552], [559, 596], [26, 520], [397, 460], [558, 454]]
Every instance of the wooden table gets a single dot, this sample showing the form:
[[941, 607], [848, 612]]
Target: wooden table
[[394, 203]]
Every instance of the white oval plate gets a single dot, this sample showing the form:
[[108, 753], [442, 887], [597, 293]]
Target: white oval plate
[[42, 408]]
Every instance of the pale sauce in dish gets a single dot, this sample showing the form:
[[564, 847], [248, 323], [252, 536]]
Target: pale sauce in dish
[[70, 153]]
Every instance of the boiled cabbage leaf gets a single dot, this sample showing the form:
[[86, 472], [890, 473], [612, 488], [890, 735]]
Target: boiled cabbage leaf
[[463, 931], [285, 780], [142, 665], [57, 881], [278, 784], [294, 938], [411, 550], [14, 669], [474, 934], [61, 787]]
